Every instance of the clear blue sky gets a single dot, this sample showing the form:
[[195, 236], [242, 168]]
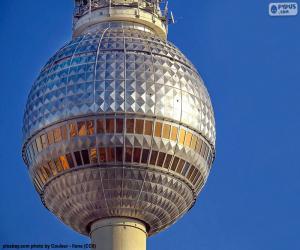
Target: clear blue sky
[[251, 65]]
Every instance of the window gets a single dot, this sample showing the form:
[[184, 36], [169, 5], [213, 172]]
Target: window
[[166, 131], [78, 158], [194, 142], [57, 135], [73, 130], [180, 166], [59, 167], [110, 126], [153, 157], [110, 154], [34, 148], [196, 178], [203, 149], [64, 133], [181, 136], [93, 155], [85, 156], [64, 162], [190, 172], [39, 144], [119, 126], [128, 154], [137, 155], [148, 127], [119, 154], [158, 127], [188, 139], [90, 127], [174, 133], [52, 167], [102, 155], [145, 156], [185, 168], [139, 126], [70, 160], [199, 145], [161, 159], [130, 126], [168, 161], [100, 127], [194, 175], [44, 140], [174, 163], [82, 128]]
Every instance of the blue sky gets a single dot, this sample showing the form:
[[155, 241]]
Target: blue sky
[[250, 63]]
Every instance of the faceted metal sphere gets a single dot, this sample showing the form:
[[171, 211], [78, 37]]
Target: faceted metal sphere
[[119, 124]]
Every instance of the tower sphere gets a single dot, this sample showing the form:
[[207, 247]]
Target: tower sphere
[[118, 124]]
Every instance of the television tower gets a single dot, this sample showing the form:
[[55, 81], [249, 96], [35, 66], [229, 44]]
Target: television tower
[[119, 130]]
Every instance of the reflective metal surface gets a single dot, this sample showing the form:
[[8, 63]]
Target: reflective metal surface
[[119, 123]]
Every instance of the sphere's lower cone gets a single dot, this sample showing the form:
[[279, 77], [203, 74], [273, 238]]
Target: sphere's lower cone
[[118, 234]]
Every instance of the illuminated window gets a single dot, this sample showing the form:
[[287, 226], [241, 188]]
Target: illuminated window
[[44, 140], [100, 127], [85, 156], [119, 154], [50, 137], [161, 158], [181, 136], [119, 126], [90, 127], [39, 144], [78, 158], [57, 135], [93, 155], [153, 157], [188, 139], [148, 127], [64, 133], [81, 128], [166, 131], [64, 162], [137, 155], [139, 126], [102, 155], [158, 127], [174, 163], [52, 167], [70, 160], [185, 168], [110, 154], [174, 133], [73, 130], [110, 126], [194, 142], [168, 161], [59, 167], [128, 154], [145, 156], [180, 166], [130, 126]]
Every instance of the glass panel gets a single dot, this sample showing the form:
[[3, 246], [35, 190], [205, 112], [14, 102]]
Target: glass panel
[[81, 128], [130, 126], [197, 177], [52, 167], [148, 127], [57, 135], [64, 162], [119, 126], [93, 155], [168, 161], [166, 131], [73, 130], [188, 139], [137, 155], [85, 156], [181, 136], [158, 127], [174, 163], [180, 166], [41, 176], [46, 171], [102, 154], [194, 142], [44, 140], [110, 126], [139, 126], [78, 158], [90, 127], [174, 133], [194, 175], [128, 154], [44, 174], [153, 157], [110, 154], [145, 156], [50, 137], [100, 127], [70, 160], [39, 144], [59, 167], [64, 133], [119, 154], [161, 158], [190, 172]]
